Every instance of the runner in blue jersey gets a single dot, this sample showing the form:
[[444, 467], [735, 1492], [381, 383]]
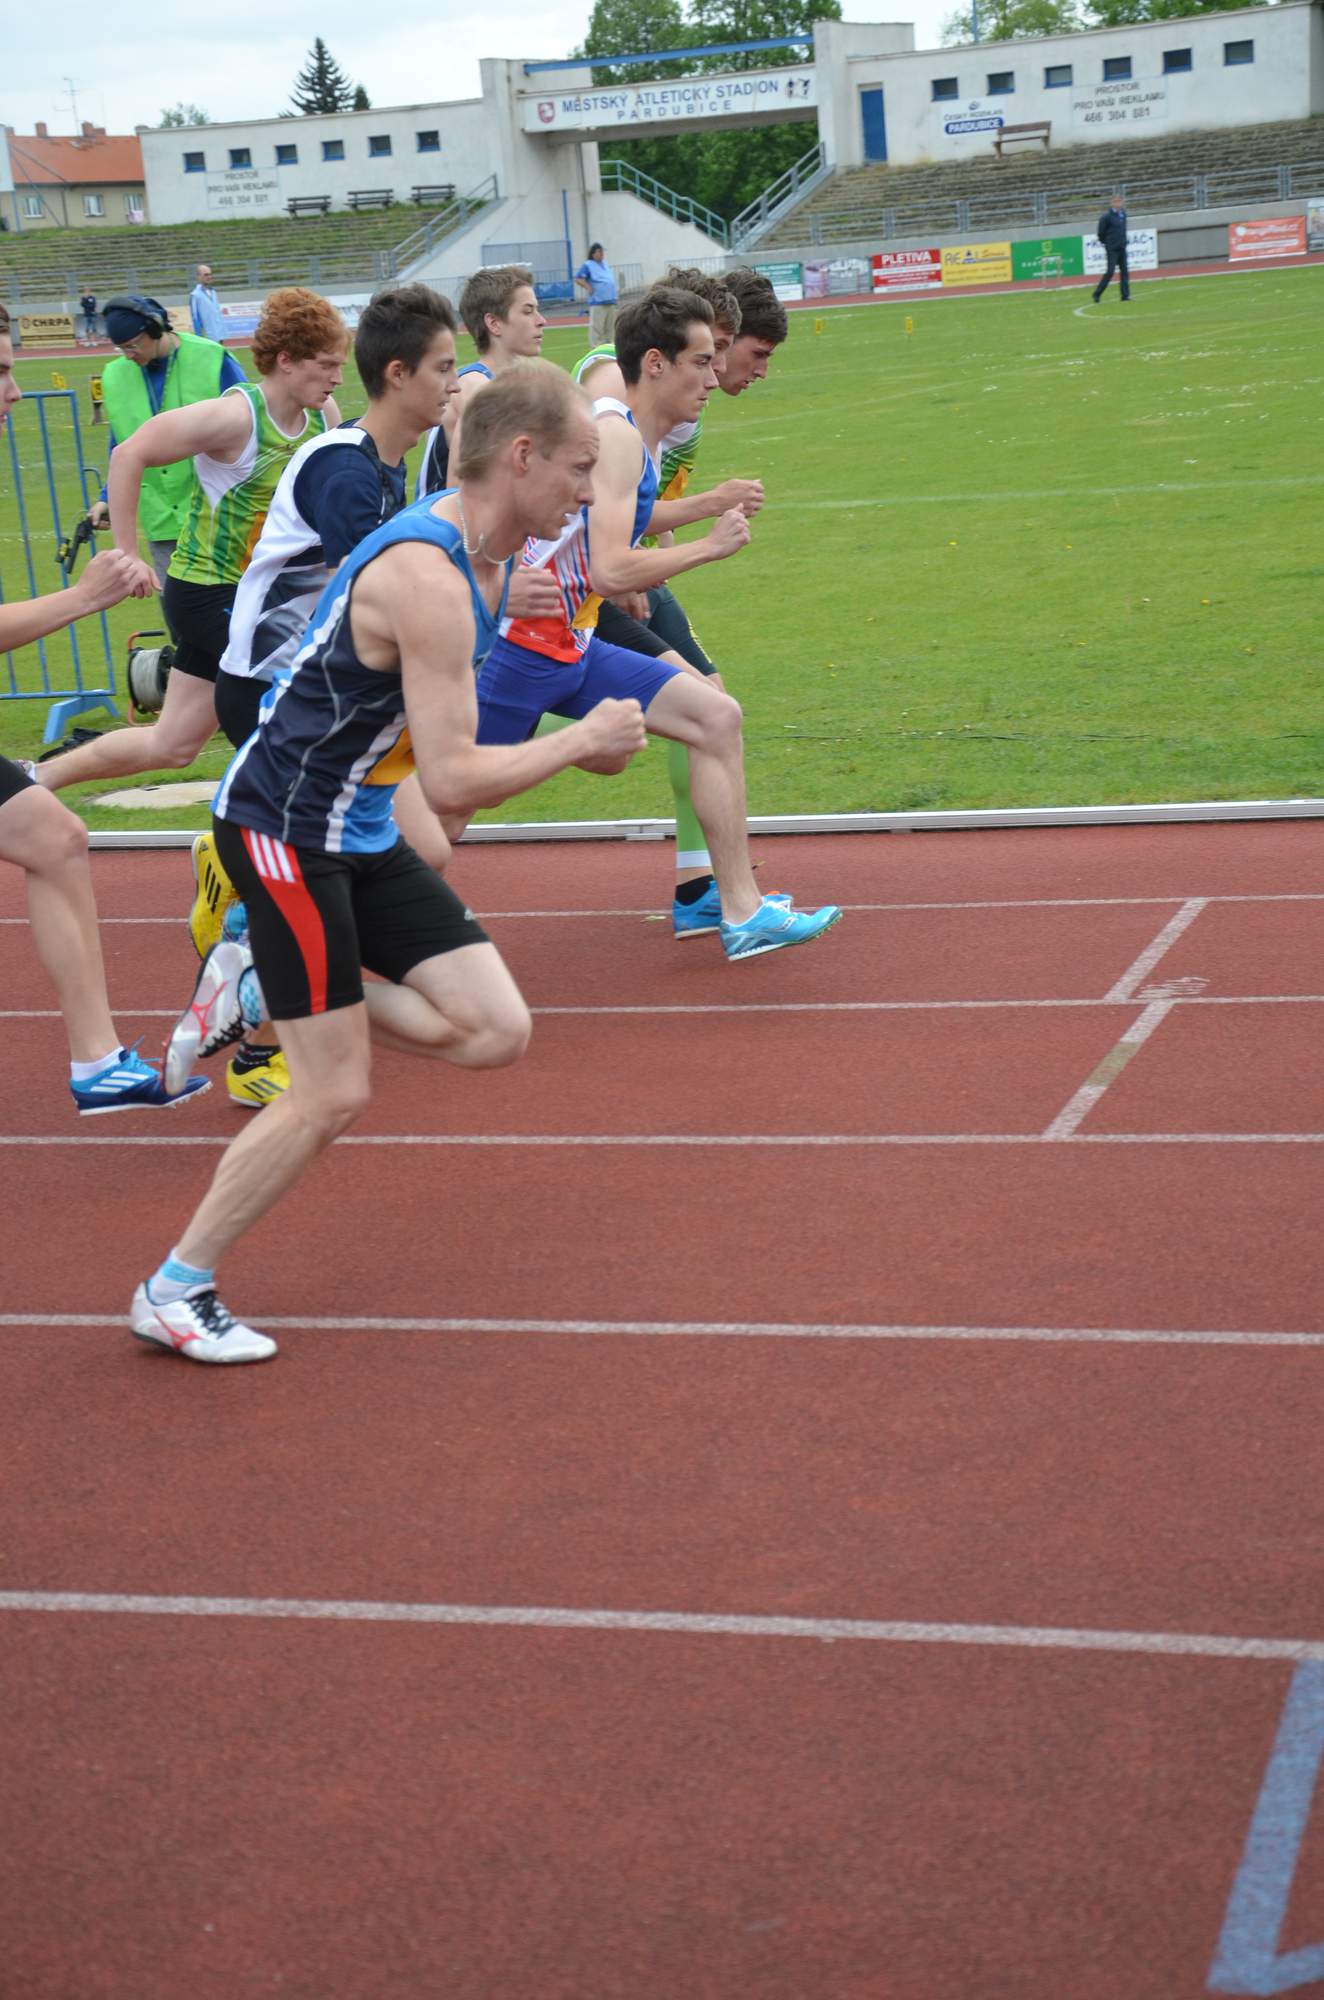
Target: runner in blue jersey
[[665, 347], [383, 685], [500, 310]]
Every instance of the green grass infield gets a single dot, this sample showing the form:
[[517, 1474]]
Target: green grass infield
[[1018, 551]]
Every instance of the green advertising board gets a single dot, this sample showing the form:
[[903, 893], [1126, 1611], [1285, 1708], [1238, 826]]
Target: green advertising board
[[1048, 256], [787, 280]]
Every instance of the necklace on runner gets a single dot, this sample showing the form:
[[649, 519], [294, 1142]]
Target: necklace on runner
[[480, 547]]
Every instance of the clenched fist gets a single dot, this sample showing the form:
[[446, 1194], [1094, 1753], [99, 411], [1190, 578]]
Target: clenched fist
[[534, 593], [109, 578], [729, 532], [746, 494], [613, 731]]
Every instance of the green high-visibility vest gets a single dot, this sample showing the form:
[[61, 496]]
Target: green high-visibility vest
[[193, 375]]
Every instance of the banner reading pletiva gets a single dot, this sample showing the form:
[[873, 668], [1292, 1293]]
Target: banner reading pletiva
[[787, 280], [1276, 236], [1141, 252], [907, 270], [977, 264], [1049, 257]]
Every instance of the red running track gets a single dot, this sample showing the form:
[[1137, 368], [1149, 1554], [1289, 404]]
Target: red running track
[[834, 1370]]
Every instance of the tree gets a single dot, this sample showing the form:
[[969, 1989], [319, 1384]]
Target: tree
[[1008, 20], [362, 101], [321, 84], [1125, 13], [184, 114]]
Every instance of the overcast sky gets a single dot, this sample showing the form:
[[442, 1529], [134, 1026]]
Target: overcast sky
[[234, 60]]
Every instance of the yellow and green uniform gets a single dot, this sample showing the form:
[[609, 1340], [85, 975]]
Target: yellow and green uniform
[[192, 375], [228, 503]]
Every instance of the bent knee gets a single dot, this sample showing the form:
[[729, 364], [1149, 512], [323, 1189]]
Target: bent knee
[[722, 722], [333, 1109], [63, 835], [503, 1038]]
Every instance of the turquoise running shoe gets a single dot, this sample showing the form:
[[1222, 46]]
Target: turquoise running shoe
[[774, 926], [704, 918], [130, 1085]]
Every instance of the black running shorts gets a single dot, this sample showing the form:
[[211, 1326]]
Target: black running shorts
[[238, 699], [315, 920], [199, 616], [12, 781]]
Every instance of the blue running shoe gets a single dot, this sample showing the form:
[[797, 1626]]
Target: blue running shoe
[[773, 926], [130, 1085], [704, 918], [234, 924]]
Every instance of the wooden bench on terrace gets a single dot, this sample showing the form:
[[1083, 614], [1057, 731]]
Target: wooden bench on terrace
[[371, 198], [1016, 133], [445, 192], [309, 204]]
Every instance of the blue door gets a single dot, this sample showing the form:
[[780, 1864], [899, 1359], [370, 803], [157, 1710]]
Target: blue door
[[875, 125]]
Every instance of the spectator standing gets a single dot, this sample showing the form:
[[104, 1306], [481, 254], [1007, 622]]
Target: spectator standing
[[87, 305], [157, 369], [1111, 233], [205, 308], [599, 281]]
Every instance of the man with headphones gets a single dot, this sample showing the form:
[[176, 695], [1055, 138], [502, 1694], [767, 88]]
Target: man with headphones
[[157, 369]]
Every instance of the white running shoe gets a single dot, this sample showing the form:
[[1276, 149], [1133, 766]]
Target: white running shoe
[[197, 1326], [227, 1002]]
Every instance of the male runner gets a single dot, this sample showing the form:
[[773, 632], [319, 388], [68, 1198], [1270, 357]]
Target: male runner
[[749, 324], [665, 346], [338, 487], [384, 682], [499, 308], [49, 843]]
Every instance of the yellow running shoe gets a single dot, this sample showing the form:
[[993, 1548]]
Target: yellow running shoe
[[213, 896], [253, 1084]]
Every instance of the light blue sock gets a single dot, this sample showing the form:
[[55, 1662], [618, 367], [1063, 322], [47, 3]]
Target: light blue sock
[[175, 1278]]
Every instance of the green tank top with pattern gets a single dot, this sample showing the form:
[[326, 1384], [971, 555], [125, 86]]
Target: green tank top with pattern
[[228, 503]]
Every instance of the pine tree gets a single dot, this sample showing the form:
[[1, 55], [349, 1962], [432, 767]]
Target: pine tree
[[321, 84], [362, 101]]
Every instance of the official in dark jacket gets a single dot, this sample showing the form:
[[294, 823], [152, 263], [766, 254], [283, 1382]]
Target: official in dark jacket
[[1111, 233]]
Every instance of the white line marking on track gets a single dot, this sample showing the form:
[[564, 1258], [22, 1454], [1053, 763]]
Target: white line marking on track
[[721, 1330], [699, 1139], [1176, 1645], [1079, 1107], [1135, 975], [1093, 494]]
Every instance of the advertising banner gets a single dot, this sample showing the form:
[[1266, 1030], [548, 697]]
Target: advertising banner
[[1315, 224], [787, 279], [976, 114], [977, 264], [1050, 257], [1276, 236], [686, 99], [816, 281], [243, 191], [1109, 105], [907, 270], [1141, 252], [46, 329]]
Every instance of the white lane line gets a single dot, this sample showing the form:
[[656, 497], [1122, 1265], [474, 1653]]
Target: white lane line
[[1174, 1645], [1135, 975], [800, 1006], [1078, 1108], [817, 1140], [722, 1330], [1093, 494], [1000, 903]]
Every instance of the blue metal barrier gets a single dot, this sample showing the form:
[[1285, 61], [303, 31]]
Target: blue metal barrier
[[93, 676]]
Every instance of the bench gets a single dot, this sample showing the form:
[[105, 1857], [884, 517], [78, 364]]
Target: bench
[[1016, 133], [309, 204], [433, 194], [371, 198]]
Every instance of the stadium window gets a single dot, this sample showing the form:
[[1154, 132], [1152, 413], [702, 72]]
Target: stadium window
[[428, 142], [195, 163], [1117, 69], [1175, 59], [379, 146], [333, 149], [1001, 83], [32, 205], [93, 205], [241, 156], [287, 156], [944, 86], [1057, 76], [1238, 52]]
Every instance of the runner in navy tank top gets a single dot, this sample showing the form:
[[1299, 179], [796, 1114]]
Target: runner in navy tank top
[[383, 685]]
